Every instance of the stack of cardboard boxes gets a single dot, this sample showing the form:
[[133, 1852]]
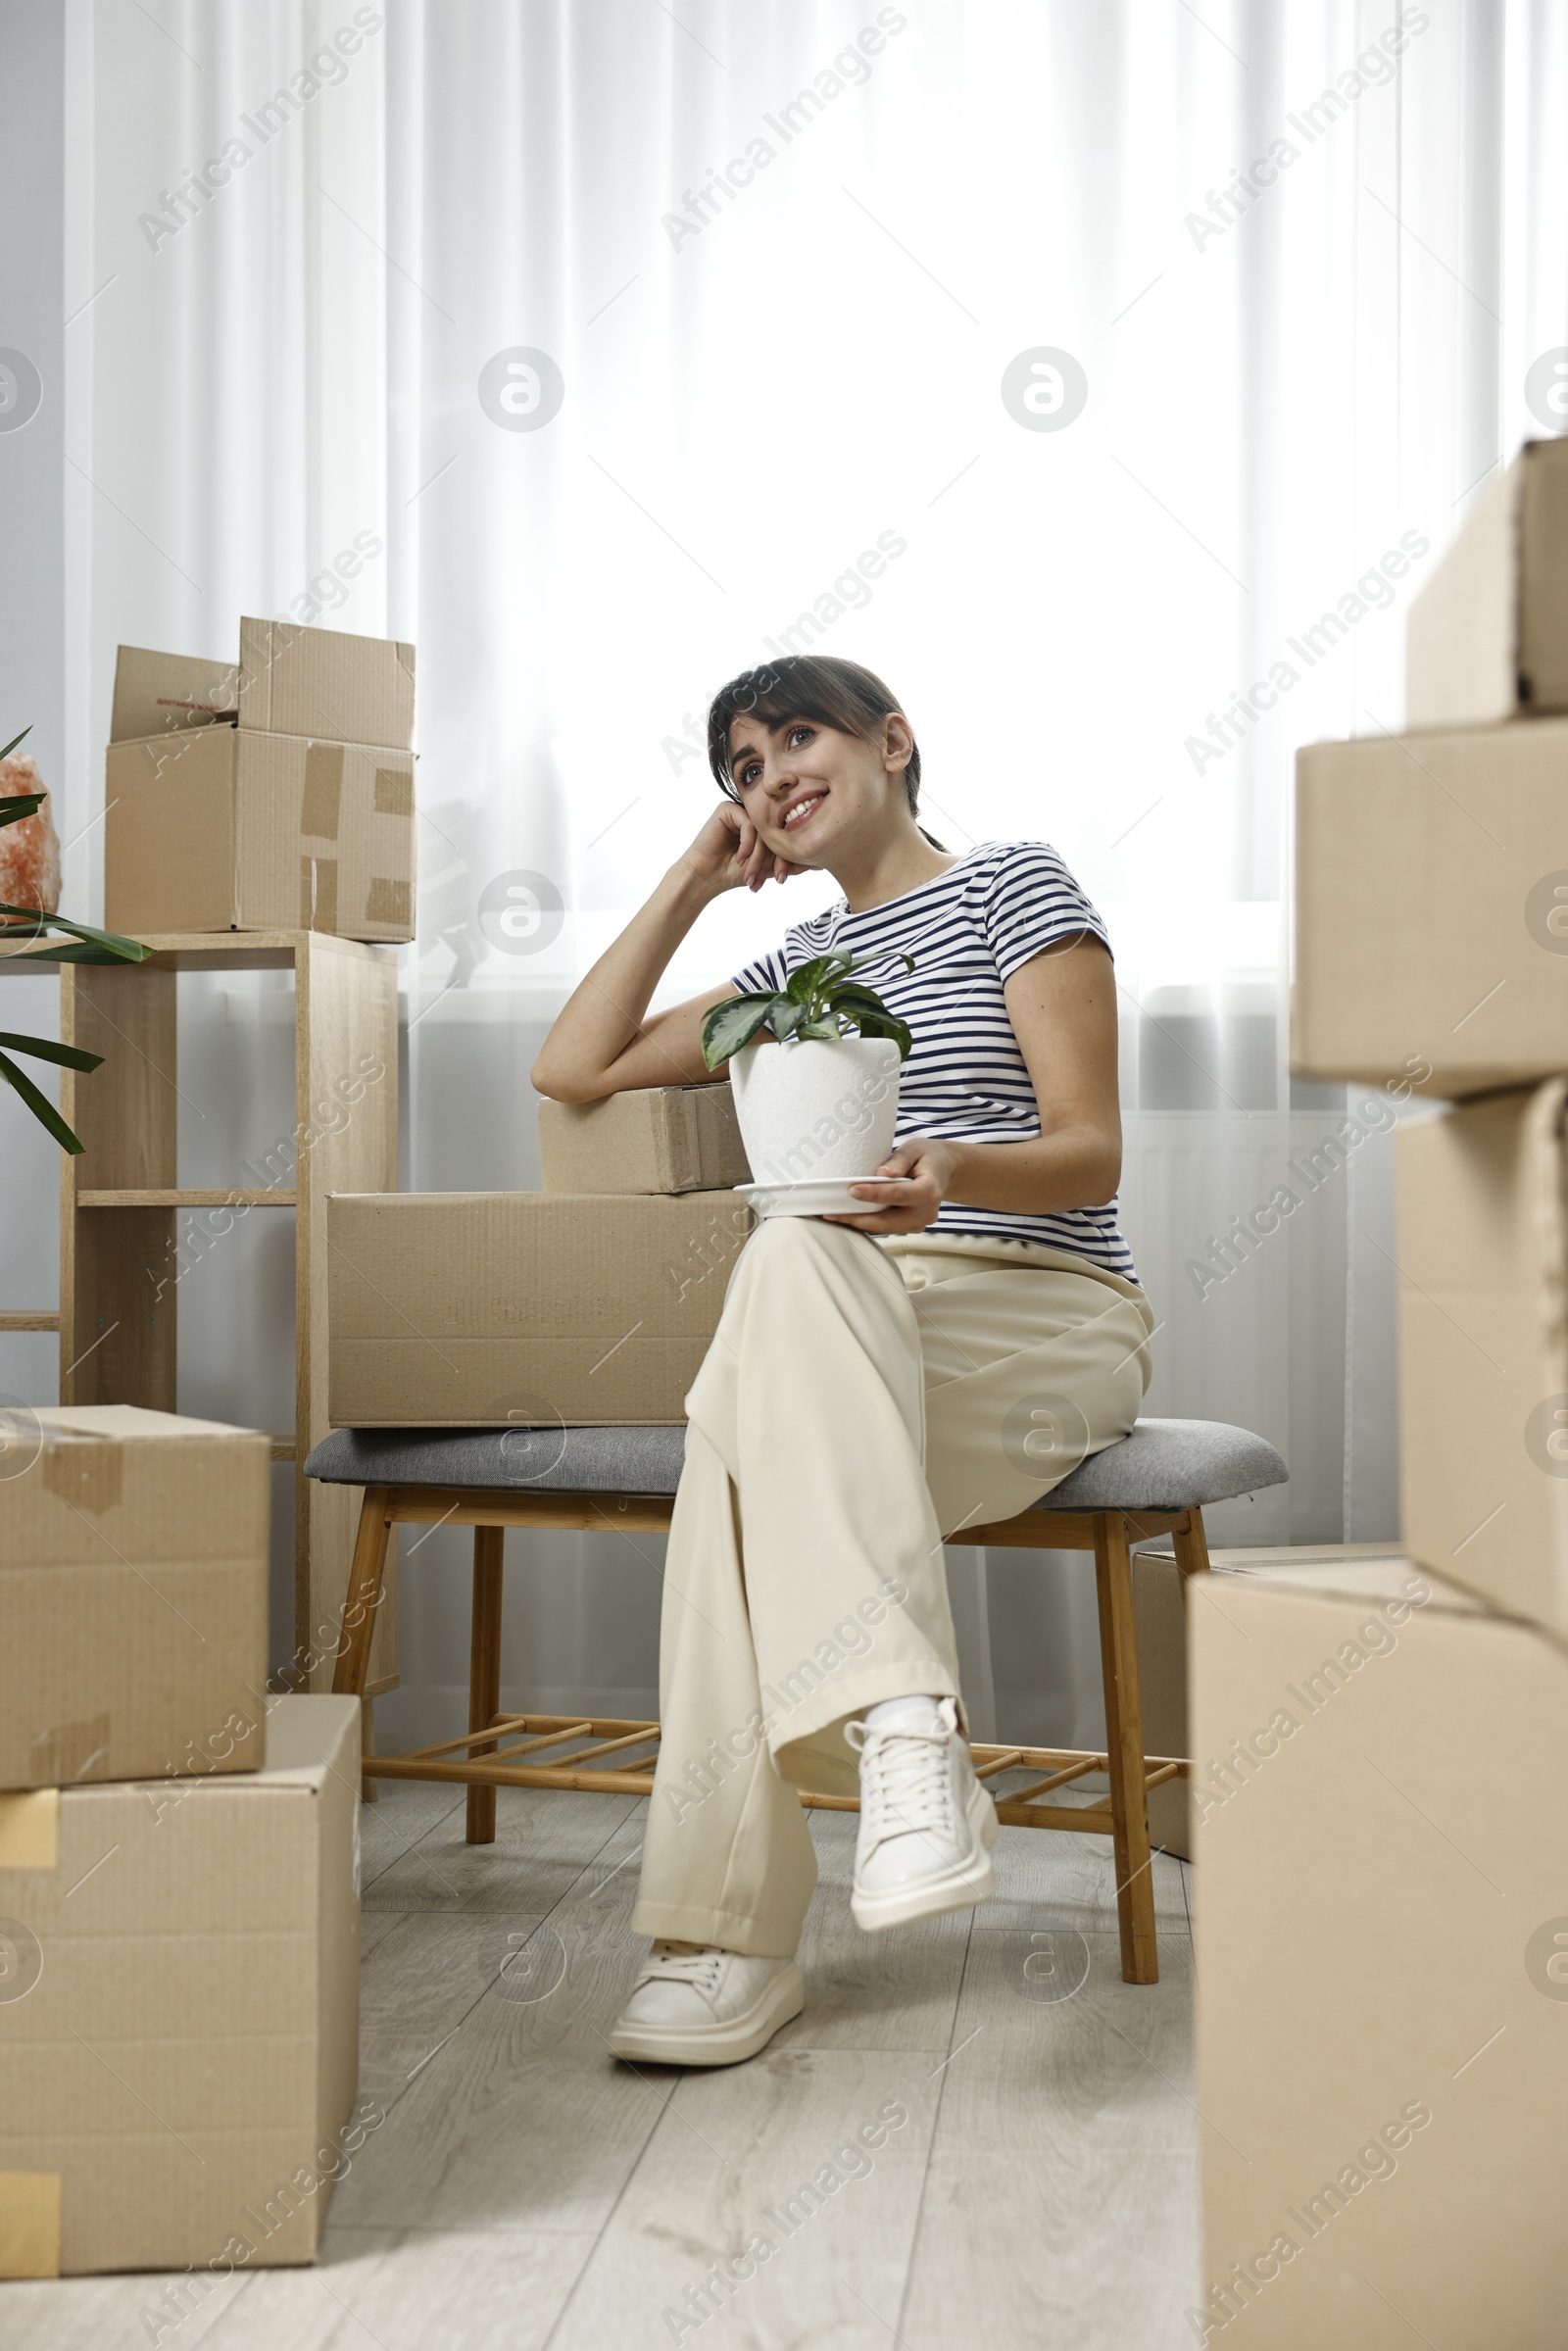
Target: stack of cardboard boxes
[[276, 794], [1382, 1922], [590, 1303], [179, 1866]]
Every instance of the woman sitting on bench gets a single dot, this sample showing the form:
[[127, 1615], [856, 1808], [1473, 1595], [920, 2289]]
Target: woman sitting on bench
[[876, 1381]]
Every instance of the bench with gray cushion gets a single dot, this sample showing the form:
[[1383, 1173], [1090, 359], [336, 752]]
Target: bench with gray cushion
[[1155, 1482]]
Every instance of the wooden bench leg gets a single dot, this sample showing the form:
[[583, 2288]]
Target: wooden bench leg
[[484, 1670], [1191, 1545], [1124, 1746], [364, 1596]]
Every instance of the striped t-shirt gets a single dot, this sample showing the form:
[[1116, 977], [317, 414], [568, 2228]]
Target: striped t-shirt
[[969, 930]]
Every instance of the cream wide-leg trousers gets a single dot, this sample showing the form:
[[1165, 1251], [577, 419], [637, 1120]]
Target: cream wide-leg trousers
[[860, 1401]]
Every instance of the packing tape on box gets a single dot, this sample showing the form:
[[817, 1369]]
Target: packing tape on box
[[85, 1472], [68, 1753], [318, 893], [30, 2224], [390, 901], [29, 1828], [394, 792], [322, 805]]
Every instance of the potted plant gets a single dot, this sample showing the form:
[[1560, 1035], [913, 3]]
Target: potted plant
[[85, 945], [827, 1103]]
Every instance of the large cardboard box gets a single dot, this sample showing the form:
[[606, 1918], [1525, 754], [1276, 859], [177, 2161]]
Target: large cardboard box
[[1163, 1655], [539, 1309], [1488, 635], [1432, 909], [180, 2010], [1381, 1959], [220, 828], [658, 1138], [318, 682], [1482, 1255], [132, 1594]]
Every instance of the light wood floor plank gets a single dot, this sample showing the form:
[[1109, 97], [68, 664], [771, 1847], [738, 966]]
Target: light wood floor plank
[[387, 1829], [1107, 2069], [410, 2292], [734, 2145], [1023, 2258], [544, 1838]]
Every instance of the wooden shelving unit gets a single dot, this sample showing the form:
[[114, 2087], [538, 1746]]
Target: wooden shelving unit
[[120, 1203]]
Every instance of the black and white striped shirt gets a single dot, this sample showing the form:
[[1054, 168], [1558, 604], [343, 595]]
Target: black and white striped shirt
[[969, 930]]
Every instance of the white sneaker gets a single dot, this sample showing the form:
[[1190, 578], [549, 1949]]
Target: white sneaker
[[692, 2006], [926, 1823]]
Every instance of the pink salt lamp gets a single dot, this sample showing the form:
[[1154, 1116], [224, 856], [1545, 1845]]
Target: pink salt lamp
[[30, 852]]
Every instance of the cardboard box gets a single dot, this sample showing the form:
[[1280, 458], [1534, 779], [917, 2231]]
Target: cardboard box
[[317, 682], [662, 1138], [1432, 909], [1483, 1254], [1163, 1655], [542, 1309], [1488, 635], [132, 1595], [218, 828], [180, 2019], [1380, 1946]]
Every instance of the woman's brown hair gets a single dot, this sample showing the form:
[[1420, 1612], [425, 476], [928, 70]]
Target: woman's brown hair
[[807, 685]]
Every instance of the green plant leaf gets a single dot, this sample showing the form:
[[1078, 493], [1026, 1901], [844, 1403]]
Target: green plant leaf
[[785, 1018], [15, 739], [734, 1024], [827, 1030], [116, 950], [883, 1024], [810, 978], [42, 1110], [26, 803], [43, 1048]]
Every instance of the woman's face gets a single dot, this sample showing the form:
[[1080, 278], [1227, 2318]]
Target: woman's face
[[808, 788]]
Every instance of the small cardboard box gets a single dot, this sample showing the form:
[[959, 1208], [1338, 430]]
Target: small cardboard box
[[541, 1309], [1381, 1961], [662, 1138], [317, 682], [1488, 635], [179, 2012], [132, 1595], [218, 828], [1162, 1656], [1482, 1255], [1432, 909]]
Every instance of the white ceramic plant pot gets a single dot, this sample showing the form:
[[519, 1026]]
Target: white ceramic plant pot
[[809, 1110]]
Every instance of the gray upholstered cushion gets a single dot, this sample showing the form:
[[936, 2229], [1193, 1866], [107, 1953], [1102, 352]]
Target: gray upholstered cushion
[[1171, 1465], [1163, 1465], [638, 1460]]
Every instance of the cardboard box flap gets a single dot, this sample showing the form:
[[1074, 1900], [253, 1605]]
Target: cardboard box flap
[[323, 683], [162, 693], [1397, 1578], [1488, 635], [121, 1423], [302, 1737]]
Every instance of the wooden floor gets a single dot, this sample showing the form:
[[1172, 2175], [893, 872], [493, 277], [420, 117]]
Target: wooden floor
[[525, 2191]]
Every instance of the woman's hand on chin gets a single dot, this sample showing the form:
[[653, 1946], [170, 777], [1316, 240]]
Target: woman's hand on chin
[[927, 1164], [730, 853]]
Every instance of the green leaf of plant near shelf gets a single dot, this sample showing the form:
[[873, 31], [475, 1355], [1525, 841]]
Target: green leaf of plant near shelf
[[820, 1000], [82, 943]]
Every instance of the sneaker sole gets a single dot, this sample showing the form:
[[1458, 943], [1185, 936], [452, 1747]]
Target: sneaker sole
[[729, 2043], [962, 1887]]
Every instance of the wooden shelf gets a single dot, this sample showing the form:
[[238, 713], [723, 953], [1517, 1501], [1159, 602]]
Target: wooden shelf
[[30, 1318], [123, 1250], [170, 1197], [199, 950]]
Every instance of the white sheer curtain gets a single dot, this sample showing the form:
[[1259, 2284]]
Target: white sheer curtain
[[763, 377]]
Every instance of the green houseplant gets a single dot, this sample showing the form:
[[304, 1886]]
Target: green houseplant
[[82, 945], [825, 1104], [821, 999]]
